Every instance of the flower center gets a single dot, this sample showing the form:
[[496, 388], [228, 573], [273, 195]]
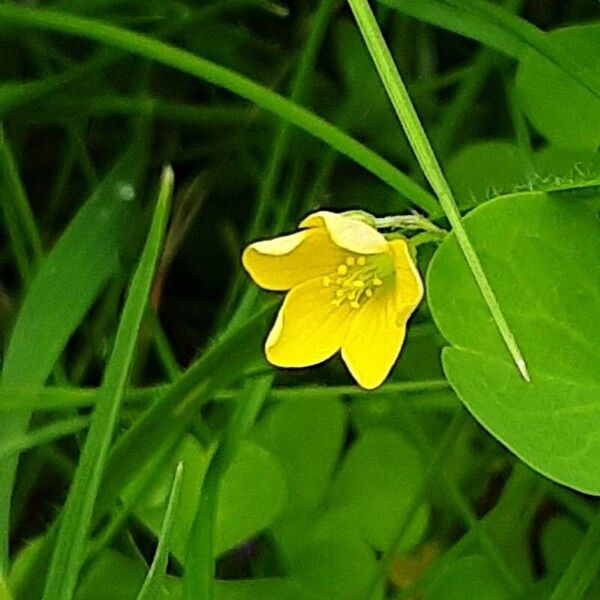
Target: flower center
[[358, 279]]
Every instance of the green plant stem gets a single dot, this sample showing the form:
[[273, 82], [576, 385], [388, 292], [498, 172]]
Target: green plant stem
[[186, 62], [419, 142], [198, 579], [42, 435], [278, 152], [76, 517], [21, 399], [583, 567]]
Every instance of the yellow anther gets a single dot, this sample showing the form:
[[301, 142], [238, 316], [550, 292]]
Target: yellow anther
[[342, 269], [361, 260], [368, 293], [358, 283], [352, 295], [326, 281], [340, 293], [377, 281], [350, 261], [354, 304]]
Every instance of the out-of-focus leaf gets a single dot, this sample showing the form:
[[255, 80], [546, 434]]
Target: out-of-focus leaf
[[559, 107], [374, 486], [252, 493], [306, 436], [468, 577]]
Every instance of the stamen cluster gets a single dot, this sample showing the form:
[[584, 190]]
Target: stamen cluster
[[354, 280]]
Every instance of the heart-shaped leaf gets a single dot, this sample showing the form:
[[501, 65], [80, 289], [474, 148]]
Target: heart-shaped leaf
[[560, 108], [252, 493], [541, 257]]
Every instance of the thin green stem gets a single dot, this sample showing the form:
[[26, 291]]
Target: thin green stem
[[186, 62], [198, 580], [583, 567], [50, 399], [43, 435], [419, 142]]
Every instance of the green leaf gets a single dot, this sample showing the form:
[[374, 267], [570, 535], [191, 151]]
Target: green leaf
[[306, 436], [335, 562], [468, 577], [463, 22], [541, 256], [118, 577], [486, 169], [76, 516], [374, 487], [251, 495], [262, 589], [561, 109], [62, 293]]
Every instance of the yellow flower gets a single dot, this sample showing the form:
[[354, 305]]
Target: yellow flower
[[349, 289]]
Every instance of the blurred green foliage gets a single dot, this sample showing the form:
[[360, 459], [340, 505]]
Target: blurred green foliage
[[293, 484]]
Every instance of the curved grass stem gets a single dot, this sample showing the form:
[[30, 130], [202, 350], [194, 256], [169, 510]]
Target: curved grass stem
[[400, 99]]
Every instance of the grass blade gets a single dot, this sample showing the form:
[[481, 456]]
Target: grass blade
[[461, 21], [23, 233], [198, 579], [76, 517], [417, 137], [154, 578], [535, 39], [60, 296], [222, 77], [42, 435]]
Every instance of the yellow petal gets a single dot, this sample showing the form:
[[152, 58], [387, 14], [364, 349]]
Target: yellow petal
[[409, 287], [308, 328], [374, 340], [284, 262], [352, 234]]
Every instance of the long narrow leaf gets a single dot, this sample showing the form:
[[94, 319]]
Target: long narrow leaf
[[60, 296], [220, 76], [407, 115], [153, 582], [76, 516]]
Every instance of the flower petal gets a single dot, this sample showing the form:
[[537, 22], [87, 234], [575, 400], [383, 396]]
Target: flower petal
[[284, 262], [374, 340], [348, 233], [308, 328], [409, 287]]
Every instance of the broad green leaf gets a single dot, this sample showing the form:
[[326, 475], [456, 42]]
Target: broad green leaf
[[468, 577], [306, 436], [251, 495], [486, 169], [335, 562], [118, 577], [375, 484], [62, 293], [571, 172], [262, 589], [76, 516], [540, 254], [559, 107]]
